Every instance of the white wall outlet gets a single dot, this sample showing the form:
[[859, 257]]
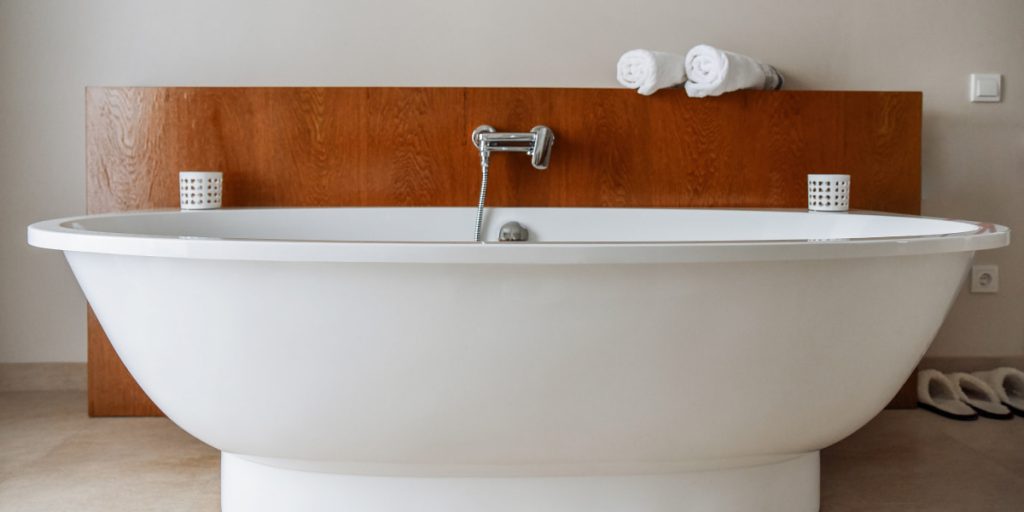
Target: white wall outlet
[[986, 87], [984, 279]]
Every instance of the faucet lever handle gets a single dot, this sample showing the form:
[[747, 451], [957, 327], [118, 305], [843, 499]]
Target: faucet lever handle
[[544, 139]]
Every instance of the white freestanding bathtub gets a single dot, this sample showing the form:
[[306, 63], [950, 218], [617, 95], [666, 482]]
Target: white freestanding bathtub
[[370, 359]]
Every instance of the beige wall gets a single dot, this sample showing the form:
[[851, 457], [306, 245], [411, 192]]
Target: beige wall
[[49, 50]]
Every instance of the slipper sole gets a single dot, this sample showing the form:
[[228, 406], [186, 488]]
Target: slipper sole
[[947, 414], [991, 415]]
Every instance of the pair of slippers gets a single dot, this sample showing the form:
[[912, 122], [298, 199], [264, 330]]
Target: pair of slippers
[[996, 394]]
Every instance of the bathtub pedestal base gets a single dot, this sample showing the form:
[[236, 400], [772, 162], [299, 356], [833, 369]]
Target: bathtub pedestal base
[[788, 486]]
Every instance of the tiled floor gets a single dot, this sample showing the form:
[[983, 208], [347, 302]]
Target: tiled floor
[[54, 458]]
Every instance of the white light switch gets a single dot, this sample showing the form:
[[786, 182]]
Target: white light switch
[[986, 87]]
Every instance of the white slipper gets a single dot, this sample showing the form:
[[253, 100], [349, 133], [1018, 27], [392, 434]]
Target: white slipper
[[937, 394], [1008, 384], [979, 396]]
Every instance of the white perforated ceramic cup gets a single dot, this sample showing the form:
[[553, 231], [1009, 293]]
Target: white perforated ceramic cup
[[200, 190], [828, 192]]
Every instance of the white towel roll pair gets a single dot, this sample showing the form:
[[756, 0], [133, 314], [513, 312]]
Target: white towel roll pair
[[705, 70]]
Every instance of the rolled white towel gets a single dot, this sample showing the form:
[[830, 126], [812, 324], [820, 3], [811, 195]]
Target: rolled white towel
[[711, 72], [648, 71]]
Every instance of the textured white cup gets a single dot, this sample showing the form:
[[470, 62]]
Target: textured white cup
[[200, 190], [828, 192]]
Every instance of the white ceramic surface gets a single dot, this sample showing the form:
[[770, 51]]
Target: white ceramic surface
[[719, 349]]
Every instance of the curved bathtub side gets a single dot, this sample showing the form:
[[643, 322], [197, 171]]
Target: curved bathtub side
[[520, 367]]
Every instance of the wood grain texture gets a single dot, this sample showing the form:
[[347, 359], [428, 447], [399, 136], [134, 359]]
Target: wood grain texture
[[906, 398], [112, 390], [410, 146]]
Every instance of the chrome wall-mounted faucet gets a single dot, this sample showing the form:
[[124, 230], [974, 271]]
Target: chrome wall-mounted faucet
[[536, 144]]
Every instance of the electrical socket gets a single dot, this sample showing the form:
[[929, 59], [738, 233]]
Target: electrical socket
[[985, 279]]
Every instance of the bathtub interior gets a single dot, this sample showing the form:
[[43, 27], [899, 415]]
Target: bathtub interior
[[551, 225]]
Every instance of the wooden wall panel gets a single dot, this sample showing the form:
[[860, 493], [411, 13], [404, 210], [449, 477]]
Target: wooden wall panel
[[112, 390], [410, 146]]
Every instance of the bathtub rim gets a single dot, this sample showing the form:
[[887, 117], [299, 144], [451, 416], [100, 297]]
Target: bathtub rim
[[54, 234]]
